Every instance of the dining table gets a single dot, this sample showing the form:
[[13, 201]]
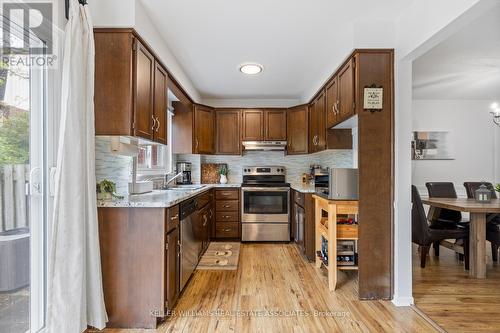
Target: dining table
[[477, 233]]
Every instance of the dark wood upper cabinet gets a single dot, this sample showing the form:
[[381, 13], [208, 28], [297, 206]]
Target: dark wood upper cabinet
[[253, 125], [260, 125], [160, 104], [130, 87], [144, 69], [228, 132], [297, 128], [204, 122], [275, 125], [332, 103], [346, 91], [317, 124]]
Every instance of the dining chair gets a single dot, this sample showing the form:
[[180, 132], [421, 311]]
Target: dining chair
[[493, 226], [447, 219], [424, 236]]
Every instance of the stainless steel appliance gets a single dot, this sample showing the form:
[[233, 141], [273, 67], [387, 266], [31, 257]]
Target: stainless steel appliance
[[190, 245], [185, 168], [265, 204], [338, 184], [264, 145]]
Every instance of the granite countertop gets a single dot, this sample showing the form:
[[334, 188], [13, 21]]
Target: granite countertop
[[303, 188], [159, 199]]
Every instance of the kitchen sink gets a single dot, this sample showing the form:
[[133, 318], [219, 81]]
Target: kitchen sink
[[186, 187]]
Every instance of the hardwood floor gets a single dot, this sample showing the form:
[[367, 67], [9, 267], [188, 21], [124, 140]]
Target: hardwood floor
[[275, 278], [444, 291]]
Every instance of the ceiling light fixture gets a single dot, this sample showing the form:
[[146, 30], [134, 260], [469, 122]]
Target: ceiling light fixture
[[251, 69], [496, 113]]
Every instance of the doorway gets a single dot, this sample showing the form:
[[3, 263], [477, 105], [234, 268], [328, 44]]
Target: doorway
[[456, 141]]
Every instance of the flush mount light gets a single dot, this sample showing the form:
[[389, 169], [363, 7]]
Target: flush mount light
[[495, 113], [251, 69]]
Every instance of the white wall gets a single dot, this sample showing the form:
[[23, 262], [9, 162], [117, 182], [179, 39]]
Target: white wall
[[422, 26], [472, 142]]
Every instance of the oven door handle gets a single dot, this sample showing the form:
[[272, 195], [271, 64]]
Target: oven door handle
[[265, 189]]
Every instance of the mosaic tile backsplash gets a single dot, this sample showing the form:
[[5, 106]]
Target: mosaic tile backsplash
[[295, 165], [119, 168]]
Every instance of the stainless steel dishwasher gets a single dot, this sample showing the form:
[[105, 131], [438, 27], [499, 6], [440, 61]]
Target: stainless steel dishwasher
[[189, 243]]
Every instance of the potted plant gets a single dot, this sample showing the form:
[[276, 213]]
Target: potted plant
[[497, 188], [223, 171], [106, 190]]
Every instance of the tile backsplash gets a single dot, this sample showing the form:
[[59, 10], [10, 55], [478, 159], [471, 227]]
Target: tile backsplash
[[295, 165], [113, 167], [119, 168]]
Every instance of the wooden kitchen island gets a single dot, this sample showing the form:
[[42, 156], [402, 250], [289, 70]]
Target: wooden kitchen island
[[327, 214]]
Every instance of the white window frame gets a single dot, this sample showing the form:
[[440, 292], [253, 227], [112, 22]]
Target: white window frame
[[168, 151]]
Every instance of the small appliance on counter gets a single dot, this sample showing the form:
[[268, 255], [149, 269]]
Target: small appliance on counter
[[185, 168], [337, 184]]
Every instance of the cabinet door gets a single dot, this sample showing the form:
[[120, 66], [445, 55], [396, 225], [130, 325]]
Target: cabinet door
[[321, 122], [160, 104], [172, 269], [275, 125], [228, 132], [332, 102], [297, 130], [253, 125], [204, 123], [143, 90], [346, 91], [313, 128]]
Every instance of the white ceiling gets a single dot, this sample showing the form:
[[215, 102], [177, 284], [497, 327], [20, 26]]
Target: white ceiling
[[298, 42], [465, 66]]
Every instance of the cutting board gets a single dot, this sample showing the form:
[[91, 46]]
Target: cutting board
[[210, 172]]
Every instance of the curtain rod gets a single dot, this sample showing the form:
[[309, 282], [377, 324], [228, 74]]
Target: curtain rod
[[66, 7]]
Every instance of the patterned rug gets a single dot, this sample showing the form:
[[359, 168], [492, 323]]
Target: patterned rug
[[221, 256]]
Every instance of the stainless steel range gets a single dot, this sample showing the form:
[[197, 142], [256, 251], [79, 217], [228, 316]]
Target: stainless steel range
[[265, 204]]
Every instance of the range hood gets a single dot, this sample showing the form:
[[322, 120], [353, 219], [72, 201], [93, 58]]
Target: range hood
[[264, 145]]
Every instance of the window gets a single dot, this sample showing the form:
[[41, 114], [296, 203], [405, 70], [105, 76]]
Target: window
[[155, 159]]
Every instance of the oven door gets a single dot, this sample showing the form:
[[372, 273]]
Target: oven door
[[265, 205]]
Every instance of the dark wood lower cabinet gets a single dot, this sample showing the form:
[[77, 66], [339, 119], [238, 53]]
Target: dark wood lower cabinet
[[172, 268], [227, 213], [303, 220], [140, 265]]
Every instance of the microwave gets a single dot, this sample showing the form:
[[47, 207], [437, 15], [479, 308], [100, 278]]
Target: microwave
[[338, 184]]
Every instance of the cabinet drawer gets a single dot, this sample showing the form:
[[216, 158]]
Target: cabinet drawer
[[204, 199], [172, 221], [347, 231], [227, 230], [227, 205], [227, 194], [300, 198], [227, 216]]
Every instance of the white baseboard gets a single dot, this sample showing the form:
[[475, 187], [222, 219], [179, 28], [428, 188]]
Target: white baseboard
[[403, 301]]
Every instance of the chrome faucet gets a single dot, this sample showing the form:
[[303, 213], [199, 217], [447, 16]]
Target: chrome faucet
[[167, 182]]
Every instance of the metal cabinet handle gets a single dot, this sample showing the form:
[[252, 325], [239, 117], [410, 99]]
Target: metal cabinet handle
[[158, 124], [226, 206], [227, 230], [205, 220], [154, 123], [175, 217], [211, 213], [197, 143], [337, 110]]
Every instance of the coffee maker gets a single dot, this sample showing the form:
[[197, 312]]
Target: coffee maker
[[185, 168]]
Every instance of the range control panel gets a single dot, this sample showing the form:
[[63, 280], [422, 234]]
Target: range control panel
[[271, 170]]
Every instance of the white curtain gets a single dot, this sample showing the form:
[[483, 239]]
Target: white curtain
[[75, 295]]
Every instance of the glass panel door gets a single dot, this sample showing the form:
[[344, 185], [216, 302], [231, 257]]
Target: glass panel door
[[22, 196], [268, 202]]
